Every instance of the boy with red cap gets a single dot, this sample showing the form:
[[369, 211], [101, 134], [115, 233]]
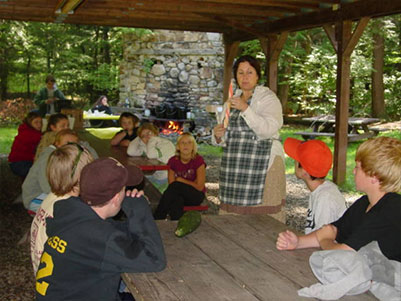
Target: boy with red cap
[[375, 216], [313, 160], [87, 250]]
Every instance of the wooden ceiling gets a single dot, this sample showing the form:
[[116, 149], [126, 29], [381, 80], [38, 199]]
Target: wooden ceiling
[[239, 20]]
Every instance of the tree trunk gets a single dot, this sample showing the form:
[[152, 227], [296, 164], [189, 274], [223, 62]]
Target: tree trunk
[[285, 88], [28, 73], [378, 106], [106, 46]]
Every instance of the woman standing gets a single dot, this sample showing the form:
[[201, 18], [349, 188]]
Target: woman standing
[[50, 99], [252, 174]]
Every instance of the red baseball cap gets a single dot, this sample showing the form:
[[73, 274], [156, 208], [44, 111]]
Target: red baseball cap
[[314, 155]]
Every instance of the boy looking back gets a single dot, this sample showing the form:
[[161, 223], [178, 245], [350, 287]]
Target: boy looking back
[[313, 160], [375, 216], [63, 173], [86, 249]]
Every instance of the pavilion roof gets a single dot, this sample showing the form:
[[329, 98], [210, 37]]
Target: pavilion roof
[[239, 20]]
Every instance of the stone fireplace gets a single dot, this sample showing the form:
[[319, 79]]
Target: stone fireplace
[[179, 69]]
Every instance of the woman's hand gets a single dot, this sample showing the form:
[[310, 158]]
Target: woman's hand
[[287, 240], [238, 103], [219, 131]]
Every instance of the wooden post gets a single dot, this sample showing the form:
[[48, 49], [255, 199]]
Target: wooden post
[[272, 47], [346, 42], [230, 52]]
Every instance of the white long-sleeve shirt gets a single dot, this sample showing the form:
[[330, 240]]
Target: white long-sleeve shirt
[[264, 116]]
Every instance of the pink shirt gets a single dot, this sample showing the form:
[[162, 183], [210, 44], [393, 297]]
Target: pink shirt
[[188, 170]]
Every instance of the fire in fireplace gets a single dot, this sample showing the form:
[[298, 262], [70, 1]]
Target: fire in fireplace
[[172, 127]]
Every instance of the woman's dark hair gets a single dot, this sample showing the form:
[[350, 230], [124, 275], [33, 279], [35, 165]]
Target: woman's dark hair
[[99, 100], [134, 118], [50, 78], [30, 117], [251, 60], [54, 119]]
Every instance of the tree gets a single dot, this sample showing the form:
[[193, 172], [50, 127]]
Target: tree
[[378, 106]]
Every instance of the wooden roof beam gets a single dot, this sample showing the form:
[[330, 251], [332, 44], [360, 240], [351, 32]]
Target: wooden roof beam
[[347, 11]]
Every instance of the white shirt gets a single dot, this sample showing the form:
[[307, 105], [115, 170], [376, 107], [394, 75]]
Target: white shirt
[[264, 116], [38, 227], [326, 205]]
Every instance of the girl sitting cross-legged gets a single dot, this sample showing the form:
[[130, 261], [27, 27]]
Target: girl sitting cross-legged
[[186, 178]]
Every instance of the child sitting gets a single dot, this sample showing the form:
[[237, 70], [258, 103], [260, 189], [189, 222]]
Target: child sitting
[[129, 123], [313, 160], [86, 249], [149, 144], [373, 217], [25, 144], [63, 173], [36, 186], [56, 123], [186, 178]]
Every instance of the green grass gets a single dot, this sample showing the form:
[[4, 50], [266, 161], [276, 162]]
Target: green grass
[[348, 186], [7, 135]]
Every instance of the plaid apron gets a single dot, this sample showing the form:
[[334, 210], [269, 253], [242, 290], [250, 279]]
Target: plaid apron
[[244, 164]]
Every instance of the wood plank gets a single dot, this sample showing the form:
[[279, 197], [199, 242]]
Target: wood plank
[[230, 52], [245, 268], [227, 258], [190, 274], [255, 238], [342, 95]]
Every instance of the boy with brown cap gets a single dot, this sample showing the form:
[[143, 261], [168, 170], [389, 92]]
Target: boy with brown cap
[[313, 162], [87, 250]]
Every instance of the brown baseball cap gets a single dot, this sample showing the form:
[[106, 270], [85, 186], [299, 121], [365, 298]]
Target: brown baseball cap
[[104, 177]]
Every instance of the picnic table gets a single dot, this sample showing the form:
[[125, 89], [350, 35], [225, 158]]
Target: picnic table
[[105, 149], [324, 126], [148, 166], [229, 257]]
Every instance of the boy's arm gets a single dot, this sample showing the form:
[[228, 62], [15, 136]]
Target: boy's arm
[[138, 248], [323, 237], [288, 240], [136, 147], [118, 137], [327, 238]]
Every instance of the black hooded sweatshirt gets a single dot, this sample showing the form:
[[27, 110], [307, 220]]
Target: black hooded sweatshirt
[[85, 255]]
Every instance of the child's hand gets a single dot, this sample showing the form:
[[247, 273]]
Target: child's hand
[[134, 193], [287, 240]]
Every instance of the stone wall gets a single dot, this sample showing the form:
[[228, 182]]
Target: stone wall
[[179, 67]]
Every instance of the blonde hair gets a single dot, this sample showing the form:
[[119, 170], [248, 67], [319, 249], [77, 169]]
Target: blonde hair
[[195, 146], [64, 167], [62, 133], [47, 139], [148, 126], [381, 158]]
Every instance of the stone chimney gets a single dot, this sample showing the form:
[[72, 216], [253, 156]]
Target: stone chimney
[[180, 67]]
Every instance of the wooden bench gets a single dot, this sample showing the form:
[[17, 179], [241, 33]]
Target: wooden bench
[[324, 126]]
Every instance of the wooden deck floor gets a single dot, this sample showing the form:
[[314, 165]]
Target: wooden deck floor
[[227, 258]]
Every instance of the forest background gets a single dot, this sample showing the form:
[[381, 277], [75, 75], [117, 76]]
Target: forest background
[[86, 59]]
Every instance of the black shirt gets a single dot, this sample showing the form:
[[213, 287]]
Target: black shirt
[[129, 137], [382, 223]]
